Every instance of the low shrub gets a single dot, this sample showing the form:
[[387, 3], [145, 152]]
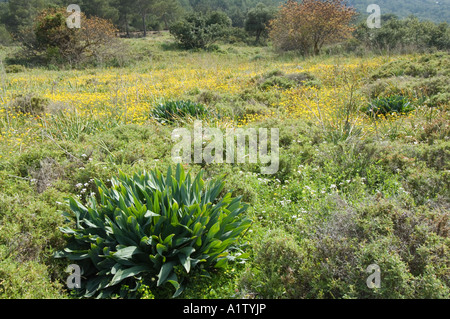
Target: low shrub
[[149, 226], [26, 280], [425, 78], [276, 276], [171, 111], [15, 68], [286, 81], [29, 104], [409, 245]]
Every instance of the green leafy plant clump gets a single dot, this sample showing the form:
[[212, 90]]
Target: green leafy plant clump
[[388, 105], [170, 111], [149, 226], [286, 81]]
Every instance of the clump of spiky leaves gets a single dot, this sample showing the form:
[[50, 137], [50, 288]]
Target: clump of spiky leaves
[[149, 226], [171, 111], [388, 105]]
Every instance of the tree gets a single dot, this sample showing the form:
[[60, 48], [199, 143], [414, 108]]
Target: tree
[[199, 30], [258, 20], [125, 8], [22, 12], [54, 40], [309, 25], [168, 11], [106, 9], [143, 9], [5, 37]]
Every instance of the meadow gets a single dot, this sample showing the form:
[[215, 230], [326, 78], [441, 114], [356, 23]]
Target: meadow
[[353, 189]]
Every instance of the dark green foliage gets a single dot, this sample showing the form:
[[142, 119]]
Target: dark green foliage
[[199, 31], [171, 111], [149, 225], [388, 105], [14, 68], [5, 36], [406, 35], [20, 13], [257, 22]]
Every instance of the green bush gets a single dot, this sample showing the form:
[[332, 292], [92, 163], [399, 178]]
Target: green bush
[[171, 111], [149, 225], [286, 81], [199, 31], [278, 258], [405, 35], [14, 68], [29, 104]]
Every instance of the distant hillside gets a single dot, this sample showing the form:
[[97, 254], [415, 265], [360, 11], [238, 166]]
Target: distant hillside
[[434, 10]]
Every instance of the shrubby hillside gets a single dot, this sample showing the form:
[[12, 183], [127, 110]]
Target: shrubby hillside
[[433, 10]]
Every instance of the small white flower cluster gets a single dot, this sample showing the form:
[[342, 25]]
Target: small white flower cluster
[[285, 202], [299, 216], [84, 187]]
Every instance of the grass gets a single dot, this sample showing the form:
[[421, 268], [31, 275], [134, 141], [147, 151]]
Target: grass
[[351, 190]]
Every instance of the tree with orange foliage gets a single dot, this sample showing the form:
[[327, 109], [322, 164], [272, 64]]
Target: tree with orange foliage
[[54, 41], [307, 26]]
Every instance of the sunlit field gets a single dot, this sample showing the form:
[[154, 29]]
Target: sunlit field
[[127, 95]]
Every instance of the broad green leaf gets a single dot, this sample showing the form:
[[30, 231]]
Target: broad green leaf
[[160, 248], [222, 263], [168, 240], [122, 274], [166, 270], [185, 261], [126, 253], [149, 214], [214, 230]]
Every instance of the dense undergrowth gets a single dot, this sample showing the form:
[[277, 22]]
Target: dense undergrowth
[[352, 189]]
